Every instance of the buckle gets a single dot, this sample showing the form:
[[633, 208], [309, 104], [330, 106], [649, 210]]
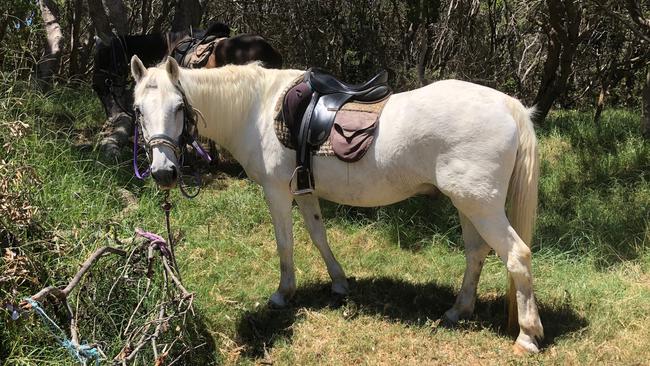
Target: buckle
[[301, 191]]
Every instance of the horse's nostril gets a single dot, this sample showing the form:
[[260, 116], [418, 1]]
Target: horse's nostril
[[174, 174]]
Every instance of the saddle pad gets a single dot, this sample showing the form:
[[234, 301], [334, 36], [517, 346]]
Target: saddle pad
[[353, 130]]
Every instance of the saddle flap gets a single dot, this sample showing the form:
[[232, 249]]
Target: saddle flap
[[322, 117], [294, 104]]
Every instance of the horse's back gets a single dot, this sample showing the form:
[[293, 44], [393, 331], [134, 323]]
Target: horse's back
[[450, 113], [244, 48]]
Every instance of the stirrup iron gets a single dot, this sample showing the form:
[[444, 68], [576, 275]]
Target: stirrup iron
[[295, 176]]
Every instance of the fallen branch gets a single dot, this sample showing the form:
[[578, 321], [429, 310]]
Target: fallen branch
[[63, 294]]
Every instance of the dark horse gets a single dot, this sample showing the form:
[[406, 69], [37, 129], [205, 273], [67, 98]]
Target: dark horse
[[111, 68]]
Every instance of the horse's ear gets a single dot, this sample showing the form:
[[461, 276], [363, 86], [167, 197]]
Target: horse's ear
[[172, 68], [137, 68]]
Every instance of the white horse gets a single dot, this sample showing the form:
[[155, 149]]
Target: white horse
[[472, 143]]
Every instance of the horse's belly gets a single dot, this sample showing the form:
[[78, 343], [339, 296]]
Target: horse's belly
[[356, 184]]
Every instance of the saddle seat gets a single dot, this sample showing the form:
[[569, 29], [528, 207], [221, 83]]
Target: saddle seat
[[328, 95], [373, 89]]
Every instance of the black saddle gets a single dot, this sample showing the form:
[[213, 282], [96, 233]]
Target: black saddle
[[371, 90], [328, 96]]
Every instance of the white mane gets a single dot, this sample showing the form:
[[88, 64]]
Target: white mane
[[224, 95]]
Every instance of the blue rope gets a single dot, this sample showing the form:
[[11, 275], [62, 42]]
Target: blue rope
[[82, 352]]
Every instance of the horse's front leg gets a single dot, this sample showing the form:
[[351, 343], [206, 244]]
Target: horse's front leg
[[310, 210], [279, 201]]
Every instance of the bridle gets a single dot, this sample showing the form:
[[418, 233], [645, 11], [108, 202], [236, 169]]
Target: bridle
[[179, 147]]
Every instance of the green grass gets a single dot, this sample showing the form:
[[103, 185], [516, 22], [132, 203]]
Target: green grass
[[591, 258]]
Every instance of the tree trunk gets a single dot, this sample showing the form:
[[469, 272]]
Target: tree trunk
[[645, 120], [187, 14], [100, 20], [118, 16], [75, 44], [48, 65], [425, 51], [563, 35], [146, 13]]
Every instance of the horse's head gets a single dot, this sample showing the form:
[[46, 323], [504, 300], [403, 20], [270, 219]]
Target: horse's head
[[161, 109]]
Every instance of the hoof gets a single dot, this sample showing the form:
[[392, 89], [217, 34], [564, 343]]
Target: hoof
[[448, 323], [337, 300], [523, 349], [278, 301], [340, 288], [450, 318]]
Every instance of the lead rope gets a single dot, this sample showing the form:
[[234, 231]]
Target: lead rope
[[167, 206]]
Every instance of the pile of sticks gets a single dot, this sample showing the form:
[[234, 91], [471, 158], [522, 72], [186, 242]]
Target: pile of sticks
[[147, 324]]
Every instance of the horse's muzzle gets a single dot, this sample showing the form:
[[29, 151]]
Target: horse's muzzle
[[165, 177]]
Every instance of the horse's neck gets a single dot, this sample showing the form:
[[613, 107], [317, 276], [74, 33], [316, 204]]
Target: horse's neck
[[235, 106], [224, 108]]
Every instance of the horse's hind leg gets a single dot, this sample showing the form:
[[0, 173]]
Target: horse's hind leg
[[310, 210], [493, 225], [475, 252]]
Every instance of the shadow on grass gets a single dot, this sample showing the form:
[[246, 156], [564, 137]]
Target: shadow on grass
[[199, 337], [411, 223], [394, 300]]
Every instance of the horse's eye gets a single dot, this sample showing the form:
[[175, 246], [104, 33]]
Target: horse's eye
[[179, 108]]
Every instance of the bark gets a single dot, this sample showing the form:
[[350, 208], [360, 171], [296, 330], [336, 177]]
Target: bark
[[75, 44], [100, 20], [600, 103], [48, 65], [118, 16], [146, 14], [645, 120], [425, 51], [187, 15], [563, 38]]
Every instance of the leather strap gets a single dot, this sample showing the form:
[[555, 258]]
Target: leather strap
[[304, 177]]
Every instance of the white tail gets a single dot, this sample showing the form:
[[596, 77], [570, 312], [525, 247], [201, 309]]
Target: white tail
[[522, 192]]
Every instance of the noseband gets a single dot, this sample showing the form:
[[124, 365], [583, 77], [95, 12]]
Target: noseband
[[187, 137]]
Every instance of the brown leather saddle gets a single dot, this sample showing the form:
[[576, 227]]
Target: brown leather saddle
[[315, 103], [195, 50]]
